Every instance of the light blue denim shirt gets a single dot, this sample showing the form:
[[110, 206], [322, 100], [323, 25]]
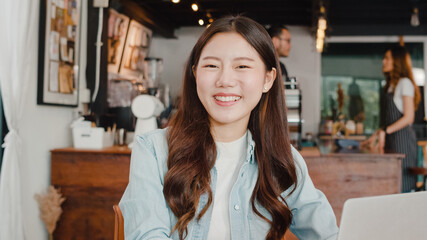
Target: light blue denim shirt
[[148, 216]]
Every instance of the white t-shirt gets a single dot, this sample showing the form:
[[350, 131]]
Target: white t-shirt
[[403, 88], [231, 156]]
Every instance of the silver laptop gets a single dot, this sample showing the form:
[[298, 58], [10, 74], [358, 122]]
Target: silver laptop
[[387, 217]]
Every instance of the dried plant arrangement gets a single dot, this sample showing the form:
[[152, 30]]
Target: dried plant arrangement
[[50, 208]]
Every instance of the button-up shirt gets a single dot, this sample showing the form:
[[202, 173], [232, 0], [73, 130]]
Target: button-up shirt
[[148, 216]]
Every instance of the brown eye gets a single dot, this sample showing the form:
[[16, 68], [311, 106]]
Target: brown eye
[[242, 66], [210, 66]]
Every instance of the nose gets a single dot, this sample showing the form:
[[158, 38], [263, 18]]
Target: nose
[[225, 78]]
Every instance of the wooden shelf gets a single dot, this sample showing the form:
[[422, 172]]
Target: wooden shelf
[[351, 137]]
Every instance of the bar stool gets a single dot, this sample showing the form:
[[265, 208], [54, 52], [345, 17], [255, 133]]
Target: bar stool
[[421, 170]]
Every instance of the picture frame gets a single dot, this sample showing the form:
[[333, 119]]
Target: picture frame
[[137, 46], [117, 29], [59, 52]]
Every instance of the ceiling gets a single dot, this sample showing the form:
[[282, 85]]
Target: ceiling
[[345, 17]]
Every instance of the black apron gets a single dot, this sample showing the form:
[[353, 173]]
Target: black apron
[[402, 141]]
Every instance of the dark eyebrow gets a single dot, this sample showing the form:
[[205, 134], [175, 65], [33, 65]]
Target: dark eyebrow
[[244, 58], [210, 57], [235, 59]]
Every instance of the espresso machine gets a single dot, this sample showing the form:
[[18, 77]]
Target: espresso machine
[[293, 100], [122, 91]]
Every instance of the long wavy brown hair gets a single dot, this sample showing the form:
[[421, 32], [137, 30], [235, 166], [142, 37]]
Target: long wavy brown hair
[[402, 68], [192, 150]]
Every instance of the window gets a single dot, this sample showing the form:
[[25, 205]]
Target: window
[[358, 68]]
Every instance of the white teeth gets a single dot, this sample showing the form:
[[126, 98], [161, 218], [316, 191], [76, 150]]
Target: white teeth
[[227, 98]]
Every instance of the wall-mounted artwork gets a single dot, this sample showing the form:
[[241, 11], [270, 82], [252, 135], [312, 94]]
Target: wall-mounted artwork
[[59, 52], [137, 45], [117, 28]]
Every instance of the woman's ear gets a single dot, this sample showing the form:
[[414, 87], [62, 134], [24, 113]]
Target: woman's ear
[[269, 79]]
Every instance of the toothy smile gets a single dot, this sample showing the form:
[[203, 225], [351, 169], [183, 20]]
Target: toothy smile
[[227, 98]]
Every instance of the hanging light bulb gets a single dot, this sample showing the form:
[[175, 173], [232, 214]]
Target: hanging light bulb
[[320, 33], [209, 16], [319, 45], [415, 21], [175, 1], [322, 23], [194, 7], [201, 22], [321, 27]]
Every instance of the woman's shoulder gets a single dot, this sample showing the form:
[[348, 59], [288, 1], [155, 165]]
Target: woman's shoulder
[[405, 86], [151, 150], [296, 155], [300, 164], [154, 134], [405, 82], [154, 140]]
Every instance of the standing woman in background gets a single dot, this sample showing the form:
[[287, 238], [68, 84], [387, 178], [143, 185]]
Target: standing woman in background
[[401, 98]]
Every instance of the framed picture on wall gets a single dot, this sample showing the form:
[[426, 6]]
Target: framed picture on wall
[[58, 70], [117, 28], [136, 48]]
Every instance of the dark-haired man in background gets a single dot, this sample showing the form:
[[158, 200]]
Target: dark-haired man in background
[[281, 38]]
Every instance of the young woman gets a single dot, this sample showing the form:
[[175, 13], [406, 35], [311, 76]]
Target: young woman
[[401, 98], [224, 168]]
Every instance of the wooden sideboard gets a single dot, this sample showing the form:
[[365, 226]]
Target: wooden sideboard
[[341, 176], [91, 181]]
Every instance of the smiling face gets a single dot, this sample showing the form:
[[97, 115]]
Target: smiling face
[[230, 80]]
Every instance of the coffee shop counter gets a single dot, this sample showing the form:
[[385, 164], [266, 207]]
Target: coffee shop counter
[[349, 173], [92, 181]]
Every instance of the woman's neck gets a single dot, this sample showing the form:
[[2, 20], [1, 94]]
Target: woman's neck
[[228, 132]]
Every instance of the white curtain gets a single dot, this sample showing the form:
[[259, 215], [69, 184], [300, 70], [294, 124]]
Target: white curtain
[[18, 61]]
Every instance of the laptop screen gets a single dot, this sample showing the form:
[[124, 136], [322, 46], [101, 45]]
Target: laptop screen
[[388, 217]]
